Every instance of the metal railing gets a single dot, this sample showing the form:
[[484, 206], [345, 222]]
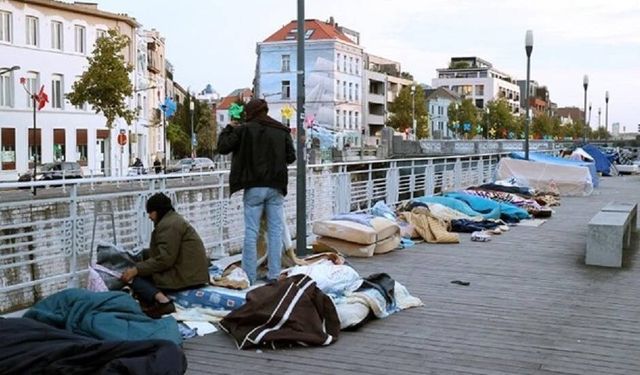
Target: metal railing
[[46, 241]]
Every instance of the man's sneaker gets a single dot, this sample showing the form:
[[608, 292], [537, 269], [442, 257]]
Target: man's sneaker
[[159, 309]]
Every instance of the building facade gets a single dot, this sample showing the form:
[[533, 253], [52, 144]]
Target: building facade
[[476, 79], [333, 78], [50, 42], [438, 102]]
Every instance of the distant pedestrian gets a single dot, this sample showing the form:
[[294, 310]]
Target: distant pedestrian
[[262, 148], [157, 166]]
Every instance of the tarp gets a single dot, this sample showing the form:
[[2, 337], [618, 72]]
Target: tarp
[[582, 155], [565, 179], [603, 164], [540, 157]]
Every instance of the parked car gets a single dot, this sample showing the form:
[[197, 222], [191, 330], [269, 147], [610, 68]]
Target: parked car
[[195, 165], [61, 170]]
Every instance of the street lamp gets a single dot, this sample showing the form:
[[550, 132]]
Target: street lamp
[[588, 123], [528, 47], [606, 112], [192, 106], [585, 84], [7, 70], [413, 111]]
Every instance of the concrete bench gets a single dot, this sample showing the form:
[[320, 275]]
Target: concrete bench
[[609, 232], [626, 207]]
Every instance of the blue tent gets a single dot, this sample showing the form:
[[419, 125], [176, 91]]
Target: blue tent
[[603, 164], [544, 158]]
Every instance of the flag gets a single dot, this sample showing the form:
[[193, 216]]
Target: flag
[[42, 98]]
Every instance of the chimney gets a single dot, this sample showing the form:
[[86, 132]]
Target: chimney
[[332, 21]]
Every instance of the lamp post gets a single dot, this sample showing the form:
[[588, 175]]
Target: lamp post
[[606, 113], [413, 111], [528, 47], [192, 106], [585, 84], [301, 168]]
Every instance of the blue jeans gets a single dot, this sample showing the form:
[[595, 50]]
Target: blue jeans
[[257, 200]]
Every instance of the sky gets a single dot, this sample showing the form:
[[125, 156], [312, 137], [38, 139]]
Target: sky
[[214, 41]]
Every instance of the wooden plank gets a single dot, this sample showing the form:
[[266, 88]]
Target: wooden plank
[[533, 307]]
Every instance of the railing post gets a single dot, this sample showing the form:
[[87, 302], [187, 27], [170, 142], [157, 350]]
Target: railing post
[[429, 179], [73, 215], [393, 183], [457, 174], [412, 179], [370, 186]]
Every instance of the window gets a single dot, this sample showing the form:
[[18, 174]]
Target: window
[[337, 89], [350, 91], [350, 64], [357, 66], [35, 144], [33, 83], [81, 146], [56, 91], [8, 149], [344, 90], [344, 63], [344, 118], [356, 119], [337, 118], [6, 27], [440, 110], [286, 122], [32, 31], [286, 63], [357, 92], [308, 33], [59, 145], [286, 90], [221, 118], [479, 90], [6, 90], [80, 36], [338, 62], [350, 117], [56, 35]]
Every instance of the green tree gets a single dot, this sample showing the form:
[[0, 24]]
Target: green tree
[[601, 133], [401, 117], [498, 119], [461, 114], [206, 131], [105, 84], [542, 125]]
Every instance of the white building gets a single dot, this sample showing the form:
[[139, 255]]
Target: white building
[[438, 102], [333, 77], [476, 79], [50, 41], [222, 110]]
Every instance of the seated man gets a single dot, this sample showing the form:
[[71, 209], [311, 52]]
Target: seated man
[[176, 259]]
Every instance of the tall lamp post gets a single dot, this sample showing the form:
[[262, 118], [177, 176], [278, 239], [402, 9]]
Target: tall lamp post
[[585, 84], [301, 168], [192, 106], [606, 112], [413, 112], [528, 47]]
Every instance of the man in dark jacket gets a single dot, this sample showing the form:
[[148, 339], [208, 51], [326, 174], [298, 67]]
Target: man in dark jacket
[[262, 148], [176, 259]]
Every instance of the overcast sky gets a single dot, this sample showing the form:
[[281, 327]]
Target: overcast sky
[[213, 41]]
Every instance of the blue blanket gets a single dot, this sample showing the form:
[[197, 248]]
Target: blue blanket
[[491, 209], [104, 316]]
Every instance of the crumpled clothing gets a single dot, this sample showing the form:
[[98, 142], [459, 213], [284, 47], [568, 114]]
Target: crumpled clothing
[[428, 227]]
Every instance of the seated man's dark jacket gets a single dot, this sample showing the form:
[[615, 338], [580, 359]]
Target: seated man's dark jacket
[[262, 148], [177, 257]]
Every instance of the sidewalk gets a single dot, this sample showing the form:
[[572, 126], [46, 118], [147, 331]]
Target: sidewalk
[[532, 307]]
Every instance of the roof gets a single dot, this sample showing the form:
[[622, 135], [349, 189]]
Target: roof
[[314, 30], [235, 95], [440, 92], [84, 8]]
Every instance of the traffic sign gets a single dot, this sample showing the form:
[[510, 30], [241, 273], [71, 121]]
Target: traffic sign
[[122, 139]]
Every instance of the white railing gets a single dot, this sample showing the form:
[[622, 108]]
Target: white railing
[[46, 240]]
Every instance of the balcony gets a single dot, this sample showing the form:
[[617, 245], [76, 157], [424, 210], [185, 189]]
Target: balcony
[[154, 64], [376, 98], [375, 120]]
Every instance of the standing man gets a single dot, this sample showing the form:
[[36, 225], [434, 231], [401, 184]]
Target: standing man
[[262, 148], [176, 259]]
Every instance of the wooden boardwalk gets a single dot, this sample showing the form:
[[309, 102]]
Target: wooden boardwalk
[[533, 307]]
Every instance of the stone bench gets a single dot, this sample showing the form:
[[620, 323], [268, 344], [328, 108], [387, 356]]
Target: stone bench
[[609, 232]]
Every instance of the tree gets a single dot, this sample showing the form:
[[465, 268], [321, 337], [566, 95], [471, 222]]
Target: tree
[[105, 84], [401, 117], [542, 125], [498, 120], [601, 133], [463, 113], [206, 130]]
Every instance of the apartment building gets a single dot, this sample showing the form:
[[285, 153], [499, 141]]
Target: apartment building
[[49, 41], [476, 79], [334, 77], [382, 84], [438, 102]]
